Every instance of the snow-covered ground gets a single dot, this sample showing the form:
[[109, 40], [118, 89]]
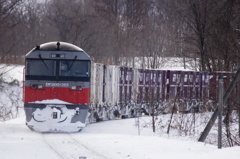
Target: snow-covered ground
[[116, 139]]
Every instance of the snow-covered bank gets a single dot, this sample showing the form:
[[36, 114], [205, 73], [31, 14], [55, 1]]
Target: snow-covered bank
[[116, 139], [10, 73], [11, 77]]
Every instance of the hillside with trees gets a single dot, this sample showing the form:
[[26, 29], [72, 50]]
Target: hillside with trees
[[118, 31]]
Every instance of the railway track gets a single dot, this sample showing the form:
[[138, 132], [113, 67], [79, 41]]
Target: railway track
[[67, 147], [52, 148]]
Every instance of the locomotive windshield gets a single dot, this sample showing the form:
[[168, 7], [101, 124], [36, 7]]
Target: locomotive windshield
[[74, 68], [41, 67], [66, 70]]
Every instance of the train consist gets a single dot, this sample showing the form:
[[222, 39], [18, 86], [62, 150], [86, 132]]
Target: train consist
[[64, 89]]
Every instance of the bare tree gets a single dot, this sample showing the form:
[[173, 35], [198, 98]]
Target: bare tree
[[195, 14], [208, 27], [69, 19], [223, 42], [9, 20]]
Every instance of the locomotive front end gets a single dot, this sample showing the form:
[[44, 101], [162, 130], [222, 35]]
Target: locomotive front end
[[56, 88]]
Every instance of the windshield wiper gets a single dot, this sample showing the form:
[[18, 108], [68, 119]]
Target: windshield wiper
[[72, 63], [43, 61]]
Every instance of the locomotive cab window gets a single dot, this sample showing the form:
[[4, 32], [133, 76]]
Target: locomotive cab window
[[74, 68], [41, 67], [63, 70]]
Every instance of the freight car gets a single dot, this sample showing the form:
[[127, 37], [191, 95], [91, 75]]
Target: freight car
[[64, 89]]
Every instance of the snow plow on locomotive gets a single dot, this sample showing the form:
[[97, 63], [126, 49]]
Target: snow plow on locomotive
[[56, 87]]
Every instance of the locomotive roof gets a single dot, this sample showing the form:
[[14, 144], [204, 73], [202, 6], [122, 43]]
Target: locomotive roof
[[49, 48], [61, 46]]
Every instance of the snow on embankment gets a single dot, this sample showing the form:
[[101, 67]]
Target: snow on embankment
[[115, 139], [11, 77]]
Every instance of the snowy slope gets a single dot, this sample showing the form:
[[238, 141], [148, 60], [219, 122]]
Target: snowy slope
[[116, 139], [11, 77]]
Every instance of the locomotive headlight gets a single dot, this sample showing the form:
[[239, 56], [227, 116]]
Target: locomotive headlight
[[40, 86], [76, 87], [37, 86]]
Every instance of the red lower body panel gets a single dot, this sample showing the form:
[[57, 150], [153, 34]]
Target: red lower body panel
[[64, 94]]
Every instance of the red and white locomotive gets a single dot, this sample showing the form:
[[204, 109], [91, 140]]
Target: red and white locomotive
[[64, 89], [56, 87]]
